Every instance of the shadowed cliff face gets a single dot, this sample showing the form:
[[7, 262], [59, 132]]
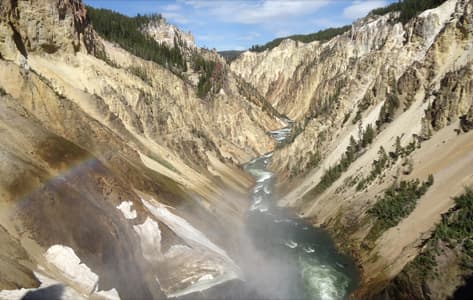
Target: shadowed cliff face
[[58, 193], [54, 292], [89, 224]]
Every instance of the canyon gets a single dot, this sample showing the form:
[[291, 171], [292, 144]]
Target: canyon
[[120, 180]]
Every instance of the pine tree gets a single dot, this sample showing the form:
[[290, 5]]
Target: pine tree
[[398, 146], [368, 136], [351, 149], [126, 32]]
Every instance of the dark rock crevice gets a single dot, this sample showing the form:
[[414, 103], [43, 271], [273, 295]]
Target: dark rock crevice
[[20, 45], [464, 292], [14, 4]]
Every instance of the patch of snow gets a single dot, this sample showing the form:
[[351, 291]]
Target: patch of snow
[[176, 250], [13, 294], [182, 228], [108, 295], [203, 285], [69, 264], [125, 208], [199, 245], [206, 277], [150, 237]]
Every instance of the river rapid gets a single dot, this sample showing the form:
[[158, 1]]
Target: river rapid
[[281, 255], [308, 264]]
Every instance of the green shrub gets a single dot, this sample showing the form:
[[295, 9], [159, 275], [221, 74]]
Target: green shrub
[[357, 117], [351, 154], [368, 136], [461, 227], [362, 106], [230, 55], [140, 72], [324, 107], [400, 151], [396, 204], [456, 227], [377, 168], [424, 263], [211, 75], [388, 110], [314, 160]]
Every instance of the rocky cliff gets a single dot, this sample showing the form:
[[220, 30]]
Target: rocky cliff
[[117, 180], [163, 32], [377, 108]]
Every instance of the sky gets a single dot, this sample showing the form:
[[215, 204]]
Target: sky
[[239, 24]]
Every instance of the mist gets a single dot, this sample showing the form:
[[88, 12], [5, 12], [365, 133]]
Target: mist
[[282, 256]]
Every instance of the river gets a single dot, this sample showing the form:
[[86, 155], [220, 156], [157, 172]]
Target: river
[[281, 255], [308, 264]]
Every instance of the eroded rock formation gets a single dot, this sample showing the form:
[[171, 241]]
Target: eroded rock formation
[[81, 136], [409, 85]]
